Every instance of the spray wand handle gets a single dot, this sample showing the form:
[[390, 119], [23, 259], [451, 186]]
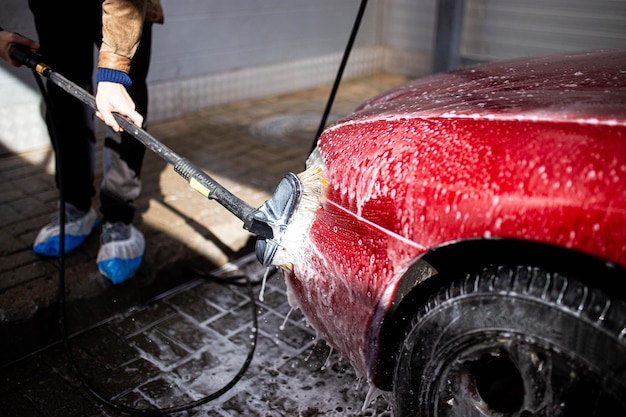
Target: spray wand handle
[[23, 55]]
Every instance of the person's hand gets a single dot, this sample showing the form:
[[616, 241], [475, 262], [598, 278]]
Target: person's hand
[[113, 97], [8, 39]]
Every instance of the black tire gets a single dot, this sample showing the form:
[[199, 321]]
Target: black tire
[[514, 341]]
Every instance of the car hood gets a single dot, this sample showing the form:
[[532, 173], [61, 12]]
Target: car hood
[[532, 149], [586, 87]]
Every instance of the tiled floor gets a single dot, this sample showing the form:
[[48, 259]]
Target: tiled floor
[[169, 336], [187, 345]]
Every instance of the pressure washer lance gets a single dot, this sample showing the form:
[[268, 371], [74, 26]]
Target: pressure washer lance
[[267, 222]]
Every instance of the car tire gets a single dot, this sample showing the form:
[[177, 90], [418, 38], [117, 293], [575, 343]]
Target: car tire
[[514, 341]]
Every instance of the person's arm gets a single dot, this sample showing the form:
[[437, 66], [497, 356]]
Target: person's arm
[[8, 39], [122, 24]]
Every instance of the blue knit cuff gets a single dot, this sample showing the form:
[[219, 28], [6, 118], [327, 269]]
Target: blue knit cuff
[[113, 76]]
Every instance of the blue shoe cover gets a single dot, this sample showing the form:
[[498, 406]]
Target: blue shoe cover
[[78, 226], [52, 246], [121, 252], [119, 270]]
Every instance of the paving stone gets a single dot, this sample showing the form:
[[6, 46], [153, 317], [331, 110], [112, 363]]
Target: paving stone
[[186, 333], [107, 347], [52, 396], [9, 192], [277, 301], [21, 373], [213, 373], [16, 404], [273, 325], [157, 346], [8, 215], [244, 404], [197, 365], [164, 393], [127, 377], [222, 295], [134, 399], [270, 353], [24, 274], [108, 381], [18, 256], [138, 320], [27, 206], [231, 322], [197, 308]]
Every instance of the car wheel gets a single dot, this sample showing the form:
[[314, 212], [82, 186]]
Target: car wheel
[[514, 341]]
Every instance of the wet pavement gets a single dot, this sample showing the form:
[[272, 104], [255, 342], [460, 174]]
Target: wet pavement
[[182, 328], [188, 344]]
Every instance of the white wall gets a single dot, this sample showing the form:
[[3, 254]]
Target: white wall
[[214, 51], [408, 35], [210, 36], [210, 52]]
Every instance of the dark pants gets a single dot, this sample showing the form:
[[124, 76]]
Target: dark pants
[[69, 31]]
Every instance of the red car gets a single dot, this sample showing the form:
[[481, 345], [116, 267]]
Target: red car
[[469, 255]]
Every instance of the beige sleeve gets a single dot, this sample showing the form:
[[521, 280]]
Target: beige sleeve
[[122, 23]]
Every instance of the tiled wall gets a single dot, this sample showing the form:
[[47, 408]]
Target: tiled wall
[[176, 97], [214, 51]]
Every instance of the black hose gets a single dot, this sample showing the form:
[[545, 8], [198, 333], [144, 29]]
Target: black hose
[[63, 305], [342, 66]]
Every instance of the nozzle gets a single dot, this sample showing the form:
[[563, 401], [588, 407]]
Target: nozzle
[[271, 219]]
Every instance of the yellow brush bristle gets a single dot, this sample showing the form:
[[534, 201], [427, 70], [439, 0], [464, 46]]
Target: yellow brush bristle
[[292, 241], [314, 185]]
